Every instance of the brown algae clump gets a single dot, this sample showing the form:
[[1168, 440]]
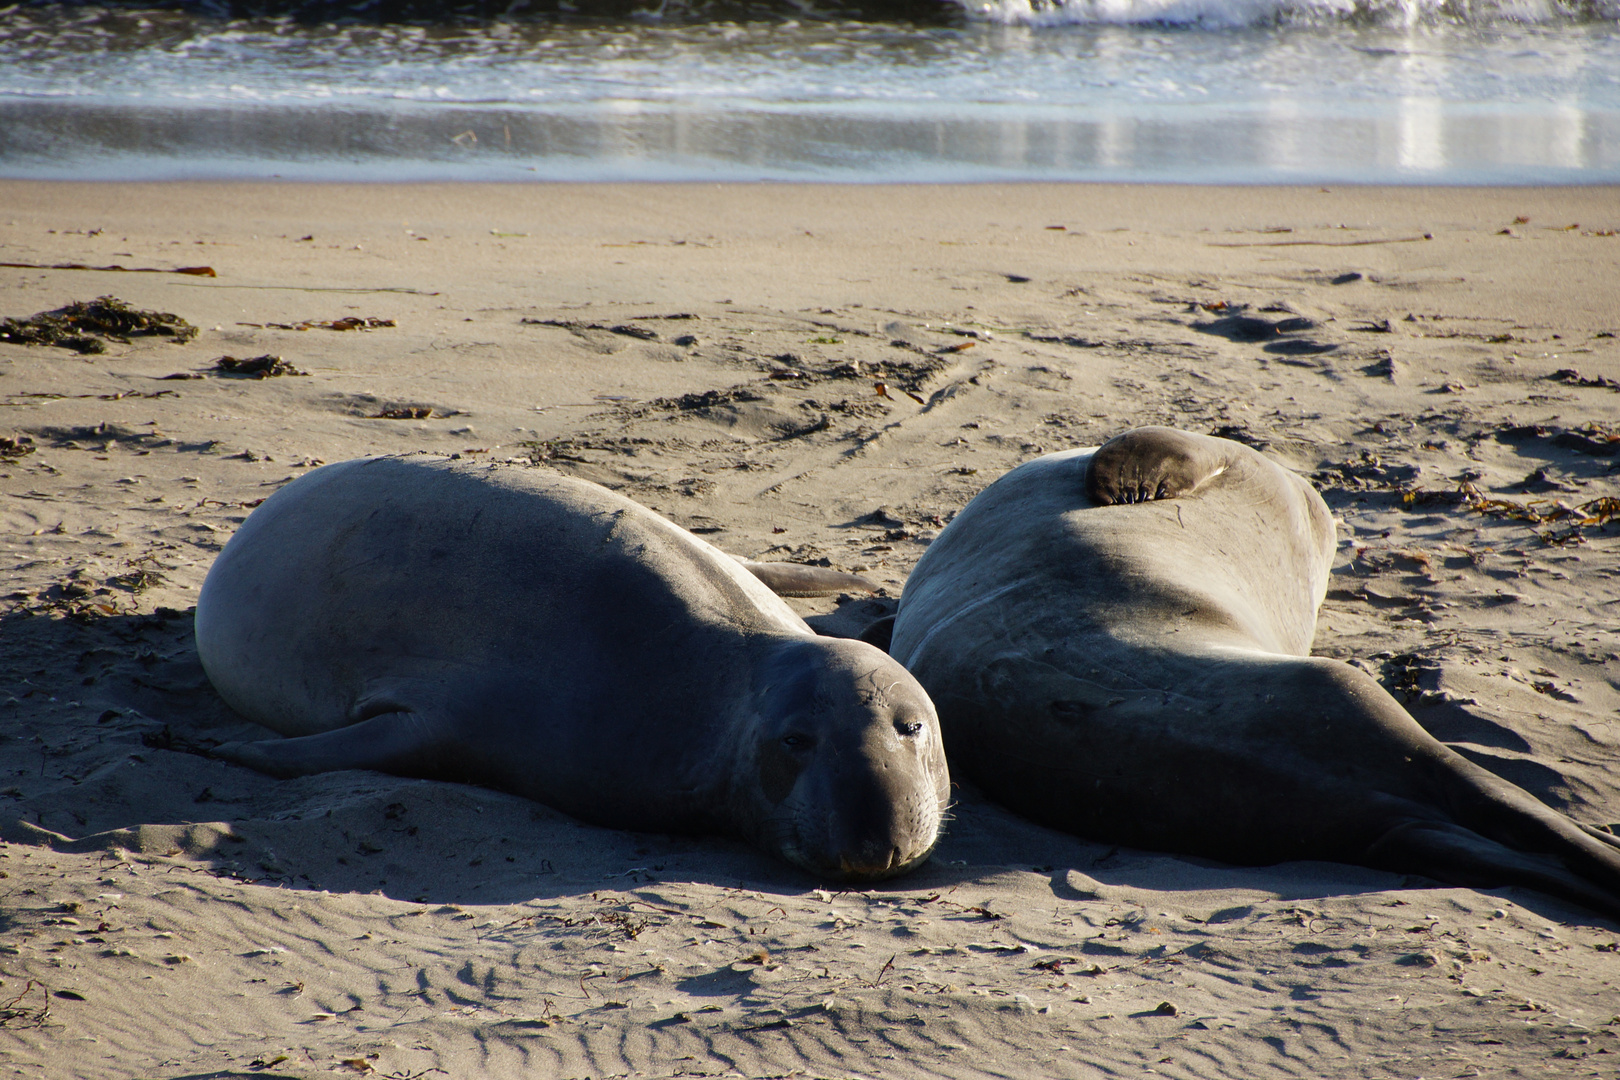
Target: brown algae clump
[[82, 325]]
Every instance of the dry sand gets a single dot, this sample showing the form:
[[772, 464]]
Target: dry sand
[[184, 917]]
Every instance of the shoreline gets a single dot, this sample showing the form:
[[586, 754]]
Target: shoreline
[[1421, 142]]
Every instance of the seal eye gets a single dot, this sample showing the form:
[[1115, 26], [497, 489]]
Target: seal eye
[[908, 728], [797, 741]]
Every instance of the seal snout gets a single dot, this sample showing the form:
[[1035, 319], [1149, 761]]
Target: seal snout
[[869, 826]]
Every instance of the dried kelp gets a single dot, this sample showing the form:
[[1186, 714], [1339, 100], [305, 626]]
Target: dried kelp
[[255, 367], [13, 447], [1571, 377], [82, 326], [1575, 517], [1590, 438], [641, 333], [193, 271], [348, 322]]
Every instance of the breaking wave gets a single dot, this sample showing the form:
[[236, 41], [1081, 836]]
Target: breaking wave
[[1358, 14]]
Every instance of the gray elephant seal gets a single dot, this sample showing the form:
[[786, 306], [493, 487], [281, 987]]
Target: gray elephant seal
[[1118, 645], [542, 635]]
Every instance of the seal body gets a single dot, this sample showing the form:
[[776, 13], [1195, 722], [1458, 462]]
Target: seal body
[[1117, 641], [543, 635]]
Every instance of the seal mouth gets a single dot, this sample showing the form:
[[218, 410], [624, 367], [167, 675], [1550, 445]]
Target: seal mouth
[[869, 862], [884, 847], [871, 868], [880, 865]]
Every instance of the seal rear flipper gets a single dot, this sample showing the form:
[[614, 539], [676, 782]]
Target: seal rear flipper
[[402, 743], [879, 632], [798, 579], [1151, 463], [1598, 834], [1494, 808], [1460, 856]]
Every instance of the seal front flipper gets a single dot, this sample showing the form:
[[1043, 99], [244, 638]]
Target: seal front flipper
[[402, 743], [1151, 463]]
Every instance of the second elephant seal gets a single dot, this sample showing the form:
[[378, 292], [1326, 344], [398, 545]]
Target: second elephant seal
[[1118, 641], [543, 635]]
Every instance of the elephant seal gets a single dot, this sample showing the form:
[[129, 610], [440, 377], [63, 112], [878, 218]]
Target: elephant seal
[[539, 634], [1117, 641]]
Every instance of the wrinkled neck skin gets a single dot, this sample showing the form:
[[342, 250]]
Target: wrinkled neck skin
[[841, 769]]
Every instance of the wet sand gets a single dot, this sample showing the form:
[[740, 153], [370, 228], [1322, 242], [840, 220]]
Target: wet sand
[[713, 352]]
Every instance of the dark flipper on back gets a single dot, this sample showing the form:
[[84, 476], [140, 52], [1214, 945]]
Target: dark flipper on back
[[1151, 463]]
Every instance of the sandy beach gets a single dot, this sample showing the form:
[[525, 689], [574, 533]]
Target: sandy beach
[[715, 352]]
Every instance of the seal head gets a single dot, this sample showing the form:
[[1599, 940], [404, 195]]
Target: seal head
[[845, 771]]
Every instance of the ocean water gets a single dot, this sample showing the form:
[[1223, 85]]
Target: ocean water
[[1510, 91]]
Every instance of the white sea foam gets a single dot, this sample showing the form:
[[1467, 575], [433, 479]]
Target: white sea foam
[[1240, 13]]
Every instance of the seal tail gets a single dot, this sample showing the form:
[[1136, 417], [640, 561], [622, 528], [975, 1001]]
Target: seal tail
[[1500, 835]]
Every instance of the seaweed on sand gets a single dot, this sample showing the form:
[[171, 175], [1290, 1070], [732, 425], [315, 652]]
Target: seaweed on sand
[[82, 325]]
